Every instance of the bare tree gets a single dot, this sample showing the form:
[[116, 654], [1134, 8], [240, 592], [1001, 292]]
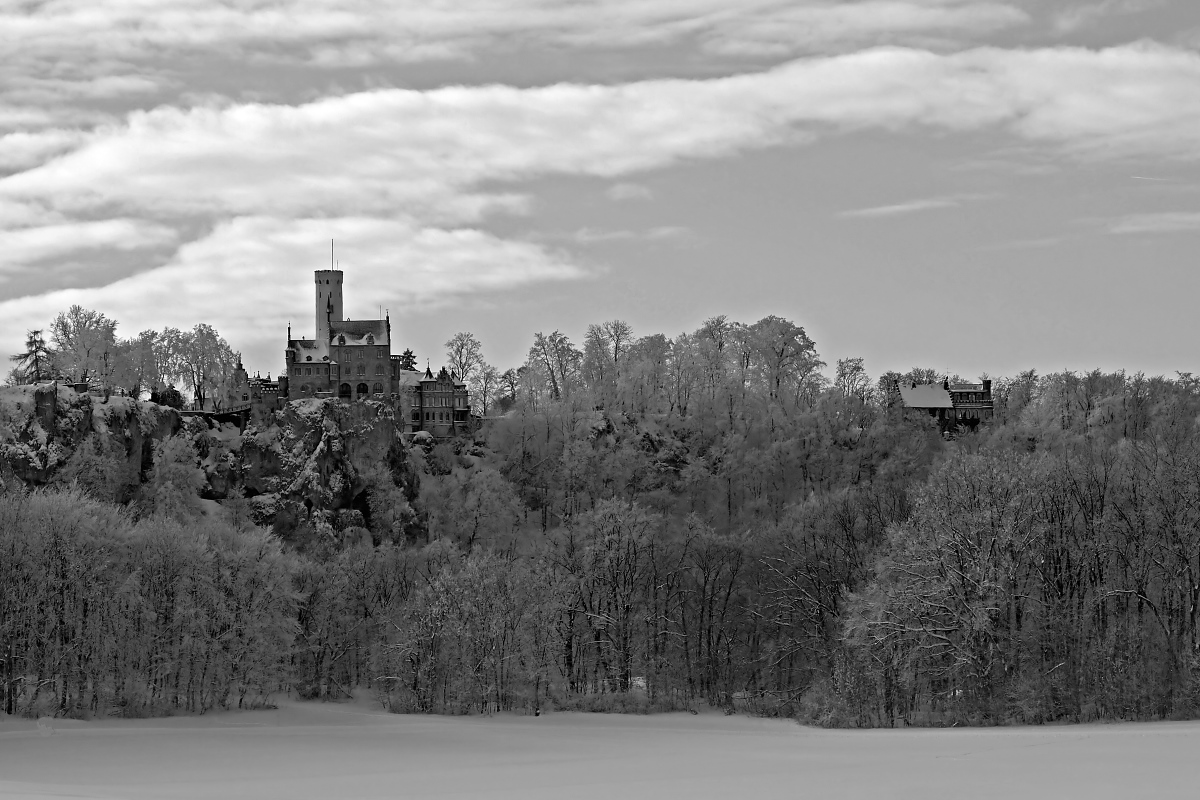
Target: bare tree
[[464, 355], [560, 359], [84, 341], [201, 360], [484, 387]]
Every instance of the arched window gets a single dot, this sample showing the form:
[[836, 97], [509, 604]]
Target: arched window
[[378, 388], [305, 389]]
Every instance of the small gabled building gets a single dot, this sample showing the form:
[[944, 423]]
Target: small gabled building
[[954, 405]]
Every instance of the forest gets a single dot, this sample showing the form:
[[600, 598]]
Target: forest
[[648, 523]]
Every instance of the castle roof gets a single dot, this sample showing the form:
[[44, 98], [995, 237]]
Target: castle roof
[[925, 395], [356, 331], [302, 344]]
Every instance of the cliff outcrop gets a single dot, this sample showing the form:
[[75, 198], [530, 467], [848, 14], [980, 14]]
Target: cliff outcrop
[[324, 464], [322, 468], [49, 431]]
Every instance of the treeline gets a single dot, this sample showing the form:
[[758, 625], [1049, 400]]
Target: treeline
[[651, 523], [82, 345], [100, 613]]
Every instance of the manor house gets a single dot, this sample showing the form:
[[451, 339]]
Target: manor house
[[356, 360], [952, 404]]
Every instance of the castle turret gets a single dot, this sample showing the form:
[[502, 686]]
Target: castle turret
[[329, 301]]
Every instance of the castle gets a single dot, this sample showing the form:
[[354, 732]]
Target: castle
[[354, 360]]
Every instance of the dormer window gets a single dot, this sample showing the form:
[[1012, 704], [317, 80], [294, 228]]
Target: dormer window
[[370, 338], [308, 358], [342, 340]]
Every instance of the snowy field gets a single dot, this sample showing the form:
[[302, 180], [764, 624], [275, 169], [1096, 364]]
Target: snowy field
[[354, 751]]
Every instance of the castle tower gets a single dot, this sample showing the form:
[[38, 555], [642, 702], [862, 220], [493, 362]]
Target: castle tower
[[329, 301]]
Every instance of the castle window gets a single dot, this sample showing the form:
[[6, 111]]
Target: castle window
[[308, 358], [360, 354], [308, 371], [362, 370], [341, 340], [378, 388], [296, 371], [379, 369], [370, 338]]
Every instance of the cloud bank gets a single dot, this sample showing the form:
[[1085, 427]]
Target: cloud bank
[[412, 176]]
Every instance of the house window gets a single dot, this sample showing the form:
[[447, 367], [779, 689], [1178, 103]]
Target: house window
[[379, 369], [360, 354], [308, 370], [296, 371], [362, 370]]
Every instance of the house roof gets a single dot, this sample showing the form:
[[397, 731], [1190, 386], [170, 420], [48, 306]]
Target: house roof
[[925, 395], [408, 377]]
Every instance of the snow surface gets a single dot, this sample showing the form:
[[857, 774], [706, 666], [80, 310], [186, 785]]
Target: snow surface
[[304, 750]]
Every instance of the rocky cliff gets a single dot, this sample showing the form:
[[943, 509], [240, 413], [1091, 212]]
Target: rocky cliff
[[48, 430], [321, 467]]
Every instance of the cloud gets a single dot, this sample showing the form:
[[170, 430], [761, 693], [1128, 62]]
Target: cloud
[[1080, 16], [250, 275], [64, 55], [628, 191], [799, 27], [25, 246], [428, 153], [22, 150], [1164, 222], [359, 32], [588, 236], [899, 209]]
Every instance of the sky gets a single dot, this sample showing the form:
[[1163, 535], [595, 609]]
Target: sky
[[977, 186]]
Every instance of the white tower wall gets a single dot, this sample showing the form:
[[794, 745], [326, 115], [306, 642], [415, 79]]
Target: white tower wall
[[329, 301]]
